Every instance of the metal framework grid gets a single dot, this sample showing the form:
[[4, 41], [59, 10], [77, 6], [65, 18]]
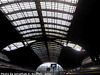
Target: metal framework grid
[[43, 21]]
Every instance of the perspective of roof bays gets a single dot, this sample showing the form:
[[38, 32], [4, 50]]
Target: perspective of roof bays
[[41, 19]]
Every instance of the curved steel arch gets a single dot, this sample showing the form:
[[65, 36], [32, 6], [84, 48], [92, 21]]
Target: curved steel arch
[[47, 33]]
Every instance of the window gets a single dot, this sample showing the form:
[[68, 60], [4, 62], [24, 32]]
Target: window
[[13, 46]]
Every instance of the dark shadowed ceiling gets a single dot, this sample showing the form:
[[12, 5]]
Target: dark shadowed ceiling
[[43, 40]]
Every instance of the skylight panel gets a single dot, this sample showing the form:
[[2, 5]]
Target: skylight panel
[[58, 6], [43, 5], [37, 19], [78, 48], [17, 22], [59, 21], [31, 34], [18, 6], [56, 21], [30, 14], [54, 5], [6, 1], [72, 1], [69, 8], [4, 9], [57, 14], [15, 7], [31, 20], [12, 47], [45, 20], [56, 27], [44, 13], [13, 16], [6, 48], [49, 13], [29, 31], [19, 15], [26, 5], [49, 20], [68, 16], [71, 45], [55, 34], [9, 8], [72, 9], [18, 44], [23, 21], [22, 28], [28, 26], [35, 13], [32, 5], [10, 17], [23, 5], [48, 5], [57, 31], [31, 41], [25, 14]]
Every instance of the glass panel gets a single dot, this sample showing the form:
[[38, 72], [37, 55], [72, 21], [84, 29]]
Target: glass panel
[[56, 27], [57, 21], [71, 1], [69, 8], [20, 22], [31, 34], [71, 45], [6, 48], [15, 7], [17, 22], [29, 31], [78, 48], [6, 1], [58, 6], [31, 41], [4, 9], [23, 21], [10, 17], [35, 13], [18, 6], [44, 13], [7, 8], [32, 5], [28, 26], [19, 15], [19, 44], [12, 47], [57, 31], [54, 34], [48, 5], [68, 16]]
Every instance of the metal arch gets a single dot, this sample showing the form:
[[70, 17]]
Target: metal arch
[[47, 51]]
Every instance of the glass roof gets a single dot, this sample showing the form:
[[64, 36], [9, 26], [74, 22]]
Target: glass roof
[[70, 44], [17, 45], [26, 15], [40, 18]]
